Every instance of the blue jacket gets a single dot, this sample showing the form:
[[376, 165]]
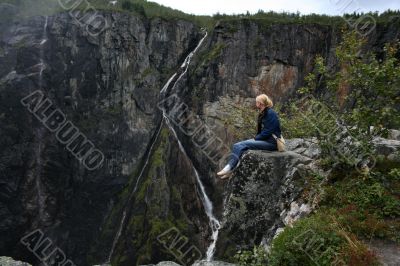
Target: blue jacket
[[268, 124]]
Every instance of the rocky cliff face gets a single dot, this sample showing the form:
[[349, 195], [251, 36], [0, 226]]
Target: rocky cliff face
[[109, 87]]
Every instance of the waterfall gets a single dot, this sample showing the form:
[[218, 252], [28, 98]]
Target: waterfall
[[39, 135], [208, 206], [184, 65], [38, 173], [42, 42]]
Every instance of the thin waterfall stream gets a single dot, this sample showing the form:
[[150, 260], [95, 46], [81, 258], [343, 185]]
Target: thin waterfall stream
[[208, 206], [122, 223], [39, 132]]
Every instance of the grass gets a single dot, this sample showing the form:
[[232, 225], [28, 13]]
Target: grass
[[368, 206]]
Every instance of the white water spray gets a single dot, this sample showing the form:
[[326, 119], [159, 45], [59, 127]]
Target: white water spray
[[38, 173], [39, 134], [42, 42], [208, 206]]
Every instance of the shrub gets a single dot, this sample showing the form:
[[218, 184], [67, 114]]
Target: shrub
[[367, 206], [312, 240], [256, 257], [318, 240], [135, 7], [364, 100]]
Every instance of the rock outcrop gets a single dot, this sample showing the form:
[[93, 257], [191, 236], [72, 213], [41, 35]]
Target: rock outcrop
[[263, 195]]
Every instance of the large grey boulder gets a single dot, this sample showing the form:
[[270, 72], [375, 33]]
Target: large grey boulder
[[305, 147], [213, 263], [394, 134], [163, 263], [199, 263], [6, 261], [261, 195], [387, 147]]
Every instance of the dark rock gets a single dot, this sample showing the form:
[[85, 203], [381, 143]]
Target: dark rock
[[306, 147], [108, 86], [260, 191]]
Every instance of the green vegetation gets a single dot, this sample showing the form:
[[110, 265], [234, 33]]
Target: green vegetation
[[374, 84], [371, 81], [364, 100], [265, 19], [366, 85], [367, 206], [206, 57], [256, 257], [318, 240], [302, 118], [147, 72]]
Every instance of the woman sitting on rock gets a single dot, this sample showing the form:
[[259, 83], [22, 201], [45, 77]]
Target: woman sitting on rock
[[268, 129]]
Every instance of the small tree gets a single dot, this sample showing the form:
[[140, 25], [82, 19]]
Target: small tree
[[375, 85], [367, 95]]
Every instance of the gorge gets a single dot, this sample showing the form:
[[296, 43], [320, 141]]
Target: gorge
[[155, 175]]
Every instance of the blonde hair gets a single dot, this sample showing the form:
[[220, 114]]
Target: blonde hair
[[263, 98]]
